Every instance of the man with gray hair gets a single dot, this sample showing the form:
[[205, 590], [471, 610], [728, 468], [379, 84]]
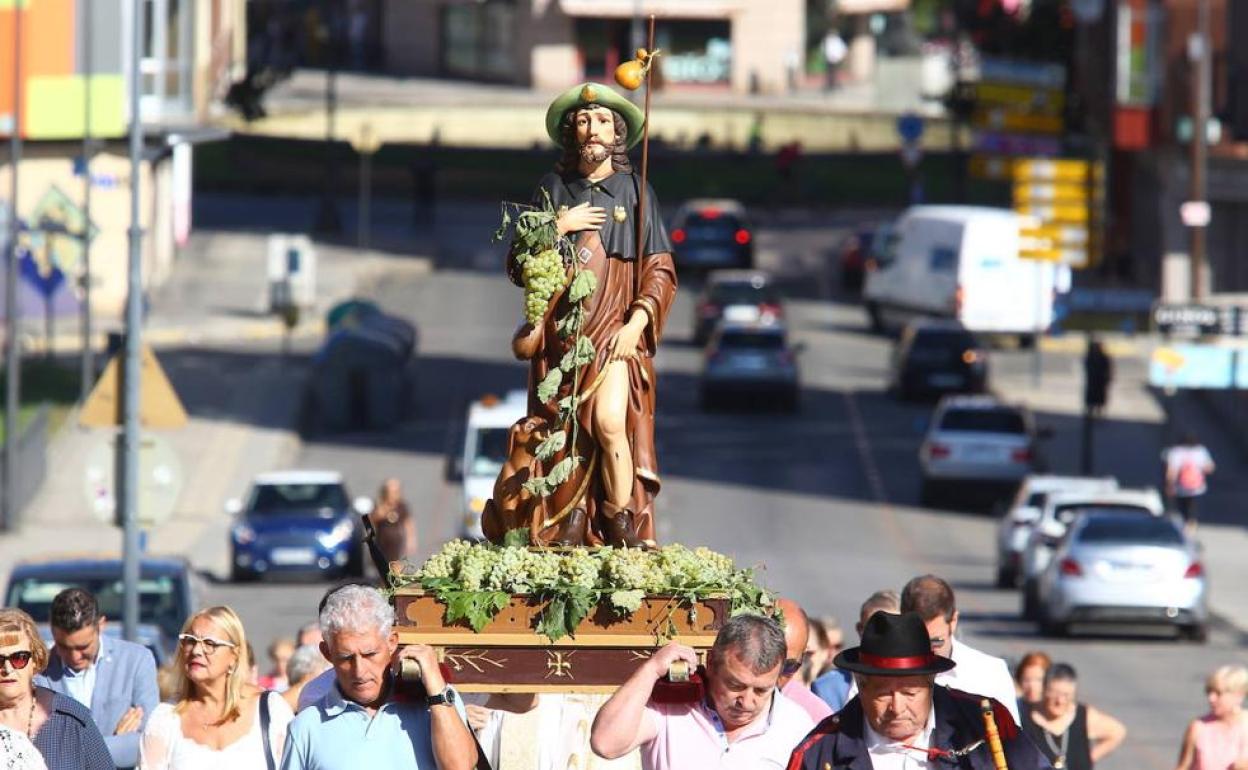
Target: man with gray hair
[[361, 722], [742, 721]]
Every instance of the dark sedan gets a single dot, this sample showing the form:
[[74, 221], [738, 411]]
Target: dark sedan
[[936, 356]]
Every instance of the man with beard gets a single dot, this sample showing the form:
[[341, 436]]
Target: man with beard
[[597, 196]]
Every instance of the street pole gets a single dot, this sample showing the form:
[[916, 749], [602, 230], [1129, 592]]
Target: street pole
[[128, 486], [1198, 51], [87, 373], [327, 219], [12, 357]]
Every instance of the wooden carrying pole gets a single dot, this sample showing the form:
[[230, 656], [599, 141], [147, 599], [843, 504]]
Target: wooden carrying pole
[[994, 737], [645, 170]]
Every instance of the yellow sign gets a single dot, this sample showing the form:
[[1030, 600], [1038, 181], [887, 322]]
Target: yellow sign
[[1003, 119], [1055, 213], [1043, 170], [1169, 359], [159, 405], [1021, 98], [1050, 192]]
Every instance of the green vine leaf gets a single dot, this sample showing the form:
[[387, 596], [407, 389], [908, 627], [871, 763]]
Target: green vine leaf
[[580, 354], [478, 608], [551, 445], [516, 538], [553, 623], [570, 324], [583, 286], [549, 385], [562, 471], [539, 486]]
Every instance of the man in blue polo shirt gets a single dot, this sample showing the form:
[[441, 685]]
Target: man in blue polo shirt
[[361, 722]]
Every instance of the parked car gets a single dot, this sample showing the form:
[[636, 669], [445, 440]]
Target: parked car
[[1020, 517], [1060, 509], [852, 256], [736, 296], [486, 442], [1115, 566], [937, 356], [297, 522], [169, 591], [750, 360], [975, 447], [960, 262], [712, 233]]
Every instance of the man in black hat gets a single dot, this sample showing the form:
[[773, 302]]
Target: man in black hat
[[901, 719]]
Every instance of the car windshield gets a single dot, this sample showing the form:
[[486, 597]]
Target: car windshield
[[160, 597], [940, 345], [490, 452], [983, 421], [751, 341], [1141, 530], [1068, 513], [290, 498], [743, 294], [718, 229]]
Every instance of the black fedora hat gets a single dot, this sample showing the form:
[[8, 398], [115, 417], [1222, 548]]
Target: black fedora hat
[[893, 645]]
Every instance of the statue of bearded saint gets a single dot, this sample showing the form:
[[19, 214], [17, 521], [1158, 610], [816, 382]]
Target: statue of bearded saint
[[610, 497]]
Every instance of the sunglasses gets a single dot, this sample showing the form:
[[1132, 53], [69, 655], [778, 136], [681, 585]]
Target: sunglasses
[[189, 641], [792, 665], [16, 660]]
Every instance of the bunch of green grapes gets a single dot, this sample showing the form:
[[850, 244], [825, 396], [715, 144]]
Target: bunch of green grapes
[[542, 568], [631, 569], [714, 567], [544, 275], [445, 563], [475, 566], [688, 569], [508, 569], [579, 568]]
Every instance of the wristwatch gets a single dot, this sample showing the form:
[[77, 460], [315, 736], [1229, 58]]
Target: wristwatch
[[444, 698]]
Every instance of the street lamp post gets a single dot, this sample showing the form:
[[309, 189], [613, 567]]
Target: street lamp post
[[87, 369], [1199, 53], [12, 356], [327, 219]]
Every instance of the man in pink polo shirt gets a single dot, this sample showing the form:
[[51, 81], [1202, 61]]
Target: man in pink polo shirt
[[741, 722], [796, 634]]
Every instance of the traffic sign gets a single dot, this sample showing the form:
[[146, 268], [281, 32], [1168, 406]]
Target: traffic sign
[[910, 127], [159, 405], [1195, 213], [160, 480], [46, 283], [1050, 192], [1187, 319], [1063, 213], [1004, 119], [1045, 169], [1198, 366]]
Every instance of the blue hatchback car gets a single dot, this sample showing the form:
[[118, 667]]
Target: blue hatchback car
[[297, 522]]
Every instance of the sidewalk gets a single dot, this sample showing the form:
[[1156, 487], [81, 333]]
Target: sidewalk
[[211, 332], [1139, 423]]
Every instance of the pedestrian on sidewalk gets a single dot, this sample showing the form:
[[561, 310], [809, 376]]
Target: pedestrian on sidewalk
[[112, 677], [1073, 735], [1188, 465], [1098, 373], [1219, 739], [1029, 678], [393, 522]]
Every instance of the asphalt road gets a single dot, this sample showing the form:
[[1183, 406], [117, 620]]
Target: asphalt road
[[823, 501]]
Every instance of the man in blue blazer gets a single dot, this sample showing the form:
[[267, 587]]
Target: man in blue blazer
[[114, 678]]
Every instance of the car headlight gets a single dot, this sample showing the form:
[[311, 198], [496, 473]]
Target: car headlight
[[243, 534], [341, 532]]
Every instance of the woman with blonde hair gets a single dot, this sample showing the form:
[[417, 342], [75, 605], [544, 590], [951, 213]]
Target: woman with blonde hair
[[1219, 739], [218, 719], [59, 727]]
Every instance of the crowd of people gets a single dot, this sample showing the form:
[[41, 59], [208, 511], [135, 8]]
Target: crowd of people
[[781, 691]]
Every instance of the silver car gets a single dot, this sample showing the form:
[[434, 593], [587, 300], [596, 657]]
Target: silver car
[[1020, 517], [976, 445], [1060, 509], [1120, 567], [750, 360]]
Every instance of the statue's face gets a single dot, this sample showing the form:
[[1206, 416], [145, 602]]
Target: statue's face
[[595, 133]]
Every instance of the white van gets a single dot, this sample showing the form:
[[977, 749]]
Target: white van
[[485, 450], [960, 262]]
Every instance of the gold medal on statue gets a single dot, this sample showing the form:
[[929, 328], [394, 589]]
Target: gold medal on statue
[[620, 214], [1059, 763]]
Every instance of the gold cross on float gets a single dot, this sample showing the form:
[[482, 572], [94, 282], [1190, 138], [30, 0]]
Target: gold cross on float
[[559, 664]]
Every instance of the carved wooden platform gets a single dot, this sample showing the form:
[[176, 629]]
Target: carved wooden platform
[[508, 655]]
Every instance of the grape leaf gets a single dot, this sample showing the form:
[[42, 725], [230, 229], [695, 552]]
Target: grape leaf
[[565, 403], [539, 486], [501, 232], [551, 445], [478, 608], [570, 324], [549, 385], [627, 601], [580, 354], [518, 537], [583, 285], [579, 603], [553, 623], [562, 471]]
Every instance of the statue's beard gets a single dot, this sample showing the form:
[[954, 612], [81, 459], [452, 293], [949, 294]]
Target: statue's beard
[[595, 153]]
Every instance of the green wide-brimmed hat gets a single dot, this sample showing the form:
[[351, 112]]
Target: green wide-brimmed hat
[[594, 95]]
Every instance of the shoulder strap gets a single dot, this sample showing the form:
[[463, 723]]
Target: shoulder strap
[[264, 730]]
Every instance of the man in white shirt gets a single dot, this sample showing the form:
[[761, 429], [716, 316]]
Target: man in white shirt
[[976, 672]]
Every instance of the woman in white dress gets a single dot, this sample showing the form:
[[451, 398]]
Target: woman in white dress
[[216, 721], [17, 752]]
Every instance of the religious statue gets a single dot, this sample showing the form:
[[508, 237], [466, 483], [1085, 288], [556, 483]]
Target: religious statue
[[600, 208]]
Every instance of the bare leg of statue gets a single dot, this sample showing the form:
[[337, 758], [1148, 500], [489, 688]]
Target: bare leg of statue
[[608, 415]]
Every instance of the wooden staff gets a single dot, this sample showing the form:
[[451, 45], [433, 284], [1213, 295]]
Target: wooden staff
[[994, 737], [645, 170]]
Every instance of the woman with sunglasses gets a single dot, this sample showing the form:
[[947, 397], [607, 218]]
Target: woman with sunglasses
[[218, 720], [60, 727]]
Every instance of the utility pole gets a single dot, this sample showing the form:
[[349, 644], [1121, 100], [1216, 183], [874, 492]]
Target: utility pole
[[12, 356], [128, 446], [1198, 52], [87, 374], [327, 219]]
